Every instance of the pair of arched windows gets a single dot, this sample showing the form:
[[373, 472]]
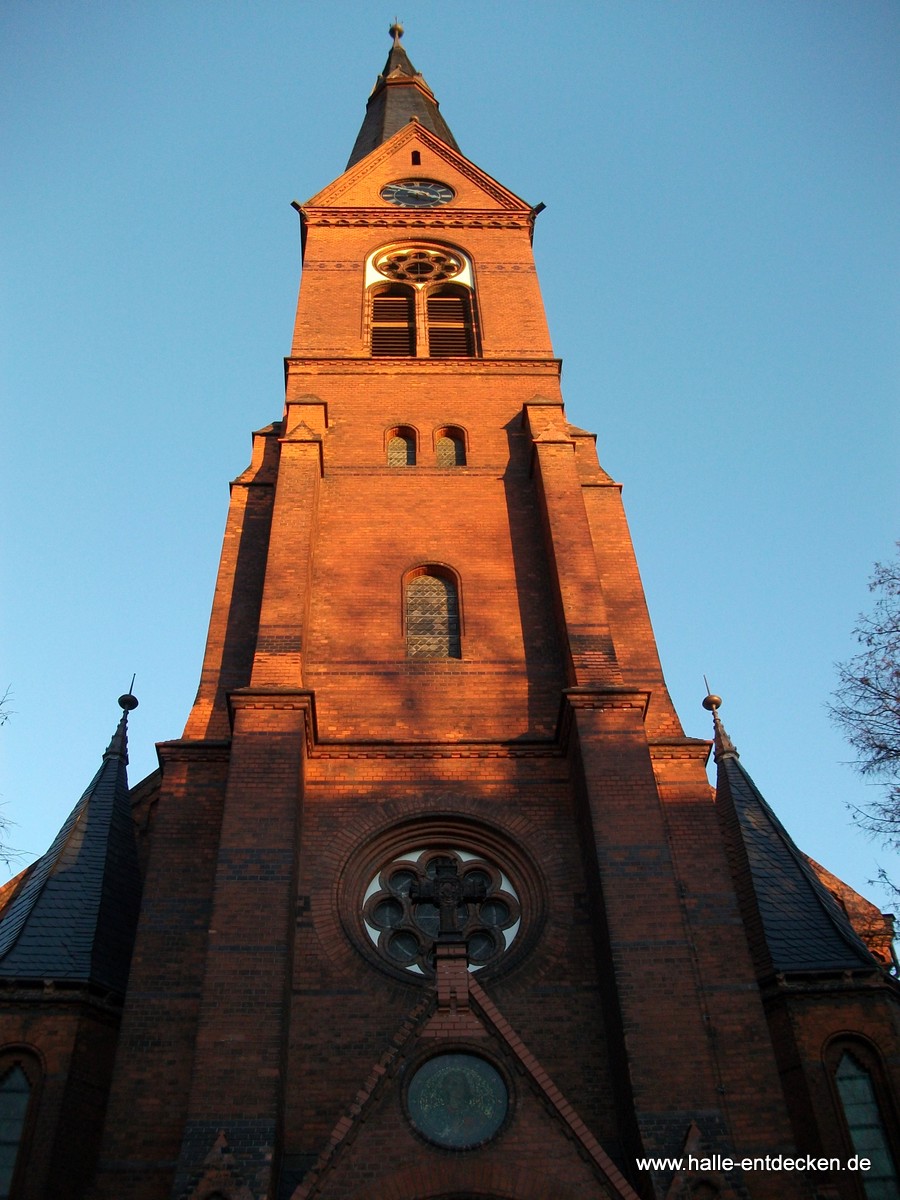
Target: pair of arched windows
[[432, 613], [449, 447], [421, 303]]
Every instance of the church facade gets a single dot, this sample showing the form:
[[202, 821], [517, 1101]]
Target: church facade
[[433, 899]]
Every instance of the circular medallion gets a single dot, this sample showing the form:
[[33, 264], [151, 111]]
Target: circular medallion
[[458, 1101], [417, 193]]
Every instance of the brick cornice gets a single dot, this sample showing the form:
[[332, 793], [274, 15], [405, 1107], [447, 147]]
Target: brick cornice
[[56, 992], [460, 218], [344, 365]]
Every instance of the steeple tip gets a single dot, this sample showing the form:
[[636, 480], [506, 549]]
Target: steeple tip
[[724, 747], [118, 746], [400, 93]]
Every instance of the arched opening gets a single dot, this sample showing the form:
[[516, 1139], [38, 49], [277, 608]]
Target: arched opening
[[394, 322], [19, 1080], [432, 615], [451, 332], [865, 1123], [450, 448], [421, 302], [401, 447]]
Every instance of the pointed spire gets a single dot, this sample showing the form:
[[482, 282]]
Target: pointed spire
[[400, 95], [794, 922], [73, 913]]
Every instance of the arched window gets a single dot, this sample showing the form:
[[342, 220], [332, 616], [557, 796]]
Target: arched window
[[394, 322], [432, 616], [401, 447], [421, 302], [18, 1079], [450, 327], [450, 448], [859, 1101]]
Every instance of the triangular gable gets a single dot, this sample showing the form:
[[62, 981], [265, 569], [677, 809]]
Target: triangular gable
[[360, 185], [462, 1014]]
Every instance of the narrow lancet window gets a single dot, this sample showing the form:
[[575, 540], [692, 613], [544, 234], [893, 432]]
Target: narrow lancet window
[[867, 1132], [15, 1093], [432, 617]]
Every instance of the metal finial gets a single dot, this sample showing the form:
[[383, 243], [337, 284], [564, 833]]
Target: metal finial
[[711, 702], [396, 31], [129, 701], [724, 746]]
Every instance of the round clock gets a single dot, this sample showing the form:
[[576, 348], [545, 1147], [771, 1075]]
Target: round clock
[[417, 193]]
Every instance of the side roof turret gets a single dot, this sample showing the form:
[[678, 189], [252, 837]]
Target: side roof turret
[[71, 915], [400, 95], [794, 923]]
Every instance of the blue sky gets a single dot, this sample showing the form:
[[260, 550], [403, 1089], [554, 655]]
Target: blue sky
[[719, 259]]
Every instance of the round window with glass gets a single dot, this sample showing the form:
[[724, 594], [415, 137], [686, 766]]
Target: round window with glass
[[431, 893], [458, 1101], [419, 264]]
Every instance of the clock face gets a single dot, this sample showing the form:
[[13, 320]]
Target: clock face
[[417, 193]]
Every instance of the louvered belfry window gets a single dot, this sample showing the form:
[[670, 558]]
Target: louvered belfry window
[[450, 332], [421, 303], [394, 322], [432, 618]]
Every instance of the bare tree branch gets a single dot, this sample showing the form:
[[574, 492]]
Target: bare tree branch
[[866, 702]]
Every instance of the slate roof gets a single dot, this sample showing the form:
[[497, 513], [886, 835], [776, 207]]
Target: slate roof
[[400, 93], [803, 925], [73, 914]]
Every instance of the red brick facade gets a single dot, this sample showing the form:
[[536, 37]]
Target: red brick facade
[[267, 1044]]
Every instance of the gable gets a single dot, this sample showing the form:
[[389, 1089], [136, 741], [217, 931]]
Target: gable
[[360, 186]]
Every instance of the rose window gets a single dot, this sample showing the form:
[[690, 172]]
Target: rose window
[[418, 265], [429, 894]]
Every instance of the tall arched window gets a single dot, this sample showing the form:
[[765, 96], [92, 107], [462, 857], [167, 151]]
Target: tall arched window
[[422, 302], [859, 1101], [432, 615], [394, 322], [17, 1087], [450, 448]]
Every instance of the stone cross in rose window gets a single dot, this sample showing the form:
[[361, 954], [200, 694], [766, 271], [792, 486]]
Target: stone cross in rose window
[[447, 891]]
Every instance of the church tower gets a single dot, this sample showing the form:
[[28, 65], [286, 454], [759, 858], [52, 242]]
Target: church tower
[[437, 900]]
